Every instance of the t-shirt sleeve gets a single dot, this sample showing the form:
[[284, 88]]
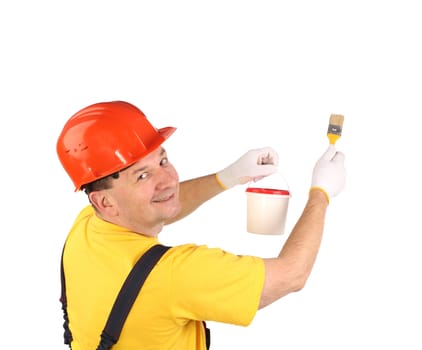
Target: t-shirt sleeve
[[214, 285]]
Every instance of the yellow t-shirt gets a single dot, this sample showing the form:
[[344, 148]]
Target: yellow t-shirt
[[189, 284]]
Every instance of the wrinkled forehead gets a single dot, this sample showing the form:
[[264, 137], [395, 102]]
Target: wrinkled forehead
[[146, 162]]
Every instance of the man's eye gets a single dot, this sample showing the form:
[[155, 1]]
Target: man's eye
[[164, 161], [142, 176]]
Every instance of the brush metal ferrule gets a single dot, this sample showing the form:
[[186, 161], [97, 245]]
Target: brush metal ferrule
[[334, 129]]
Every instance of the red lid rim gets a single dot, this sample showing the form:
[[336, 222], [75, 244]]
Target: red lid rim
[[267, 191]]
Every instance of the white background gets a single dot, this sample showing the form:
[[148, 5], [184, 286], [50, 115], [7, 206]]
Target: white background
[[231, 76]]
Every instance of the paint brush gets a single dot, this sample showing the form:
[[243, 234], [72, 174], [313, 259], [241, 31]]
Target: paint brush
[[335, 127]]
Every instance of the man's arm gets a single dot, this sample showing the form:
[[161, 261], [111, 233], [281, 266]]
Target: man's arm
[[253, 165], [290, 270], [195, 192]]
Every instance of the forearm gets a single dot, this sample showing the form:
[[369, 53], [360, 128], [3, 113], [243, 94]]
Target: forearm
[[301, 248], [193, 193], [290, 270]]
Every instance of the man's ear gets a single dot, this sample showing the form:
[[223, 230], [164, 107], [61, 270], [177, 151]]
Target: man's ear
[[101, 201]]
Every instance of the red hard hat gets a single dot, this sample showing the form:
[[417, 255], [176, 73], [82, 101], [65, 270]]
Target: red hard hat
[[104, 138]]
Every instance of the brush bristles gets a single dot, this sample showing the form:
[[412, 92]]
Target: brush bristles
[[336, 119]]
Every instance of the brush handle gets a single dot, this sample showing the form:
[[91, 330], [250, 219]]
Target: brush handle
[[333, 138]]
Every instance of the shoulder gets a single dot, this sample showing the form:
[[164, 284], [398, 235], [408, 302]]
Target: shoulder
[[194, 258]]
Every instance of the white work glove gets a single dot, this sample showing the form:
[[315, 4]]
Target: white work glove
[[329, 174], [252, 166]]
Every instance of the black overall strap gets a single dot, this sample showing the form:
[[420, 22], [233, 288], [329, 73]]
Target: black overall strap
[[128, 294], [67, 334]]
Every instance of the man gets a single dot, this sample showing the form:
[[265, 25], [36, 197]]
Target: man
[[112, 152]]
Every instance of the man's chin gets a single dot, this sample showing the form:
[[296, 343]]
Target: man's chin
[[173, 213], [176, 212]]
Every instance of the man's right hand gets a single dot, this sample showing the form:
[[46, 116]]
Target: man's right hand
[[329, 174]]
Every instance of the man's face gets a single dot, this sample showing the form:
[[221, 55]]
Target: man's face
[[146, 194]]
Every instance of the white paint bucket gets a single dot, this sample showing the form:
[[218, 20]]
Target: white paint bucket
[[267, 208]]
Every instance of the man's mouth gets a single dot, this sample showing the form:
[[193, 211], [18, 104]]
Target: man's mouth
[[164, 198]]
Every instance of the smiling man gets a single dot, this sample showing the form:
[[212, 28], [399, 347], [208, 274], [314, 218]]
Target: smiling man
[[112, 152]]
